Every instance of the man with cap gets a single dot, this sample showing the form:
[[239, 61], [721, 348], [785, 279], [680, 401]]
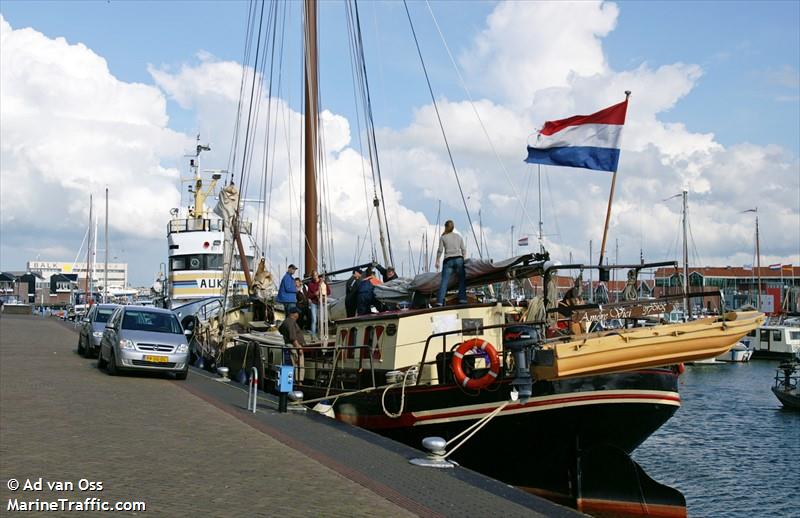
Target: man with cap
[[293, 336], [287, 291], [389, 273], [351, 288]]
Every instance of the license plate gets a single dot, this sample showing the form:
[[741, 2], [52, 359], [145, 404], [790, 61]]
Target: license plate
[[156, 359]]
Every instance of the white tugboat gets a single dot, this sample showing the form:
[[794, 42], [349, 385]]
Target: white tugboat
[[196, 239]]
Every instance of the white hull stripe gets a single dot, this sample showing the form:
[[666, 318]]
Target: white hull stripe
[[544, 403]]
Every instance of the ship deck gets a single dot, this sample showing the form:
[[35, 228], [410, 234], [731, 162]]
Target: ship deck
[[192, 446]]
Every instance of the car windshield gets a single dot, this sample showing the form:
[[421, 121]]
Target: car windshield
[[103, 315], [151, 321]]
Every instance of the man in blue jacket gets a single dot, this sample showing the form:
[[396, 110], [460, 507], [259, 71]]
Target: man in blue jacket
[[287, 292]]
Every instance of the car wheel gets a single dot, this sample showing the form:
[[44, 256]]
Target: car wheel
[[81, 348], [181, 375], [111, 368], [101, 363]]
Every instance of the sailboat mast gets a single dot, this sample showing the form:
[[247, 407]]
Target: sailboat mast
[[311, 126], [541, 224], [758, 264], [105, 270], [89, 253], [685, 262]]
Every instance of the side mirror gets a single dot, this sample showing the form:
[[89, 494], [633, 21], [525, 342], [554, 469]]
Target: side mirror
[[187, 332], [109, 326], [85, 320]]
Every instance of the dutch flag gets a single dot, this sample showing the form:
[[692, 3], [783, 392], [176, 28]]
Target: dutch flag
[[523, 241], [588, 141]]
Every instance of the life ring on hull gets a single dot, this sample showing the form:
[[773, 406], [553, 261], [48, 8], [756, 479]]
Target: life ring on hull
[[458, 370]]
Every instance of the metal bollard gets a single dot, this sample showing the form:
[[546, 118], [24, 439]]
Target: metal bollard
[[252, 391]]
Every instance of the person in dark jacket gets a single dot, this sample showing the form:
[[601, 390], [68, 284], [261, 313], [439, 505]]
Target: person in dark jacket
[[388, 273], [351, 289], [365, 294], [287, 292]]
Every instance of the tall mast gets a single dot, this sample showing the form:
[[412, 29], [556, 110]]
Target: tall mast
[[89, 253], [686, 304], [758, 263], [311, 122], [541, 224], [105, 271]]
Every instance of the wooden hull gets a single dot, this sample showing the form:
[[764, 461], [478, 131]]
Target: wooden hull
[[644, 347]]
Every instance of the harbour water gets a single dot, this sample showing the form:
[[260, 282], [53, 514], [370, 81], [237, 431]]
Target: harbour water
[[731, 448]]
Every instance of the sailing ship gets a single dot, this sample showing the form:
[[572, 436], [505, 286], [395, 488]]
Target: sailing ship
[[552, 409]]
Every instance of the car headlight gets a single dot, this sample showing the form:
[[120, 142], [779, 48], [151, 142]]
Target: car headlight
[[183, 348], [98, 334], [126, 344]]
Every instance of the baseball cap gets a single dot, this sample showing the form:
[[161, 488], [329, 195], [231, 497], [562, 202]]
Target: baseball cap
[[291, 266]]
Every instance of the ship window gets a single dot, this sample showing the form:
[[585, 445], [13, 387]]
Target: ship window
[[178, 263], [765, 335], [214, 262], [776, 335], [794, 335], [195, 263]]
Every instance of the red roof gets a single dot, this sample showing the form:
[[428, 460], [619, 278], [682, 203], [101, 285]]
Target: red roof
[[733, 271]]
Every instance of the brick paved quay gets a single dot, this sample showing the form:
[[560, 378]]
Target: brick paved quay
[[189, 447]]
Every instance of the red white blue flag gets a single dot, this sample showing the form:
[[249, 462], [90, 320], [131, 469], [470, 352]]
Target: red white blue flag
[[523, 241], [776, 266], [588, 141]]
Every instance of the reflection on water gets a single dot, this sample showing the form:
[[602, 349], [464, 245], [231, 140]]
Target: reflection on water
[[731, 448]]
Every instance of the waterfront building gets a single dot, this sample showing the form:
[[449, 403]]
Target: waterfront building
[[780, 286], [117, 272]]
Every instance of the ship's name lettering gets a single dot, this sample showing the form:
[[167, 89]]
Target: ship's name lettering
[[211, 283]]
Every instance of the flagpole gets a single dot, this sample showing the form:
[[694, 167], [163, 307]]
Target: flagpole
[[604, 273]]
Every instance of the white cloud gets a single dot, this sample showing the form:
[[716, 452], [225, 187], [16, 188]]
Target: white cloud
[[533, 61], [70, 128]]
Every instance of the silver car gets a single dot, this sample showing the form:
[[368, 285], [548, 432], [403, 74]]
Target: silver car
[[92, 327], [144, 338]]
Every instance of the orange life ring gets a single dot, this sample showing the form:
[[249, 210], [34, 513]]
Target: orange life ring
[[485, 380]]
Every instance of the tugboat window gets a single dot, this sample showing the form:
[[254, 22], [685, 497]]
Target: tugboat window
[[764, 335], [776, 335], [178, 263], [195, 263]]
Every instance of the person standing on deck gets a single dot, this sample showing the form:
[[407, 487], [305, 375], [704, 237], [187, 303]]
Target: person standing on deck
[[302, 304], [351, 288], [314, 300], [389, 274], [293, 336], [365, 293], [451, 245], [287, 292]]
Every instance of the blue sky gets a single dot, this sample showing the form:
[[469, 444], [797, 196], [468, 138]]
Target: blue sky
[[743, 47], [728, 68]]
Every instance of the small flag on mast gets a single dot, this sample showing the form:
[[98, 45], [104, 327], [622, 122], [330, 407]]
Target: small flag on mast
[[588, 141], [523, 241], [776, 266]]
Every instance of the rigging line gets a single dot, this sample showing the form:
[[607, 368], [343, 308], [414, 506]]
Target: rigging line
[[550, 198], [250, 108], [357, 89], [257, 97], [279, 106], [245, 60], [477, 114], [371, 128], [266, 162], [441, 126]]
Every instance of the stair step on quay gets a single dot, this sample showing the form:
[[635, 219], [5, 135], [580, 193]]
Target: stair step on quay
[[192, 447]]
